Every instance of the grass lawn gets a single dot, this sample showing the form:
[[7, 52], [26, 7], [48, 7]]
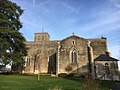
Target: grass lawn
[[24, 82]]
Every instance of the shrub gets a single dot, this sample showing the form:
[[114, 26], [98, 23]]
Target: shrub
[[70, 75], [68, 68], [62, 75]]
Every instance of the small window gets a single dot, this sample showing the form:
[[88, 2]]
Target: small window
[[107, 70], [28, 62], [106, 64], [42, 37], [38, 37], [73, 42]]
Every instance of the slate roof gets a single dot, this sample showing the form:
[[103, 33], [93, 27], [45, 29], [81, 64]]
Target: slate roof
[[104, 57]]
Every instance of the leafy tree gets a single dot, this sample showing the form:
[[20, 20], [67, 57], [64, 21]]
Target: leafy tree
[[12, 46]]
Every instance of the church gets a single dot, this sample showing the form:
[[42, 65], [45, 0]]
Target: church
[[72, 54]]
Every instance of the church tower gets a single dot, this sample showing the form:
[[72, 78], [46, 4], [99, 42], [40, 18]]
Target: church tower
[[43, 36]]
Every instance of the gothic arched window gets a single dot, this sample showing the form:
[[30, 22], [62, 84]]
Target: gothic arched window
[[73, 56]]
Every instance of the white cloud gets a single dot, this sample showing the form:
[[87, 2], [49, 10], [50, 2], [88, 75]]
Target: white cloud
[[111, 19], [43, 3], [31, 24], [34, 3], [73, 9], [116, 3]]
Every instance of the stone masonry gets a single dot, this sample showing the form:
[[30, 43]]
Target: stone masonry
[[57, 56]]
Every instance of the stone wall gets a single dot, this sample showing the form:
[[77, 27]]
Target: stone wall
[[69, 44], [99, 46], [39, 53], [101, 67], [47, 56]]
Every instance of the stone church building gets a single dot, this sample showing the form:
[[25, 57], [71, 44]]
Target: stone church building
[[72, 54]]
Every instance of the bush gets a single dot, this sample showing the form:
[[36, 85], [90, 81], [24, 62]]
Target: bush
[[70, 75], [77, 75], [68, 68], [62, 75]]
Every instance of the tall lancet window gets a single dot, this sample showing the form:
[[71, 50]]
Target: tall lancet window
[[74, 57]]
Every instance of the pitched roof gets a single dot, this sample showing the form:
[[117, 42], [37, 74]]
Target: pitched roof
[[72, 36], [104, 57]]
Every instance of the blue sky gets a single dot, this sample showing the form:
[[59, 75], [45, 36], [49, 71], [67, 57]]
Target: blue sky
[[60, 18]]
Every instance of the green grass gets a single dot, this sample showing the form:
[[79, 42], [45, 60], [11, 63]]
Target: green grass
[[24, 82]]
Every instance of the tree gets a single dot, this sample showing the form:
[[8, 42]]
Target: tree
[[12, 46]]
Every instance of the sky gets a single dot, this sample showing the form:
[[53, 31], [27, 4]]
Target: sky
[[84, 18]]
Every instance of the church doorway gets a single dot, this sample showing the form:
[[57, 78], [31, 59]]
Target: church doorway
[[52, 64]]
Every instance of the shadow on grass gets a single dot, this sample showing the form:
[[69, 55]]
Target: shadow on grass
[[90, 84]]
